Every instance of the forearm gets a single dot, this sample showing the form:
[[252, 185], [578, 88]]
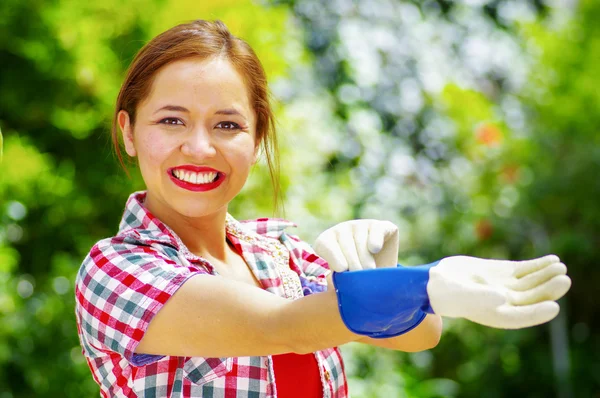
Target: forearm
[[424, 337], [312, 323], [300, 322]]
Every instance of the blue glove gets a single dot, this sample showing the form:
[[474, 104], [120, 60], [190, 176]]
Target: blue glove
[[383, 302]]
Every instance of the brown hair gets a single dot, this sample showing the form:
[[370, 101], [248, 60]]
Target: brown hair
[[204, 39]]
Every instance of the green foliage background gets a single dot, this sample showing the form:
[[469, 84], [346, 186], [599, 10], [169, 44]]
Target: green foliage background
[[499, 161]]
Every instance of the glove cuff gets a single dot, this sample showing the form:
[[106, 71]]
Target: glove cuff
[[383, 302]]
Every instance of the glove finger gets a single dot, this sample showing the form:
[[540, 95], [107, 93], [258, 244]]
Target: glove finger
[[537, 278], [385, 237], [379, 233], [517, 317], [553, 289], [361, 238], [348, 248], [376, 237], [327, 247], [528, 266]]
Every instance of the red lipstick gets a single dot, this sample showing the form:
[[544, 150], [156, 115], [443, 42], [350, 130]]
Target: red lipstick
[[197, 169]]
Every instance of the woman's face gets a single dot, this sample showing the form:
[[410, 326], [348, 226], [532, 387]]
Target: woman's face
[[194, 137]]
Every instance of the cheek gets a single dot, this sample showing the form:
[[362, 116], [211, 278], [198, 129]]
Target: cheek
[[245, 156], [153, 149]]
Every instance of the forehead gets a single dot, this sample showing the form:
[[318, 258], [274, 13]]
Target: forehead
[[203, 83]]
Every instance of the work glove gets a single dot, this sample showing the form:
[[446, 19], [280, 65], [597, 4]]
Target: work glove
[[359, 244], [498, 293]]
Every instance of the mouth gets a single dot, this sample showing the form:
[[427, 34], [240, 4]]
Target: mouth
[[196, 179]]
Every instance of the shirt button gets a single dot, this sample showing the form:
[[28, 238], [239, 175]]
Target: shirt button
[[327, 376]]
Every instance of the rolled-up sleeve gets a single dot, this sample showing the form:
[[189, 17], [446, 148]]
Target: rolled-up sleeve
[[120, 287]]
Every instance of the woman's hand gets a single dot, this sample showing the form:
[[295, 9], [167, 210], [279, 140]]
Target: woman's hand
[[359, 244], [498, 293], [495, 293]]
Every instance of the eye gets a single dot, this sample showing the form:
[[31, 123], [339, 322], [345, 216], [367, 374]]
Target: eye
[[171, 121], [228, 126]]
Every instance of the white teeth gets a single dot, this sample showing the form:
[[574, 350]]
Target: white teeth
[[194, 178]]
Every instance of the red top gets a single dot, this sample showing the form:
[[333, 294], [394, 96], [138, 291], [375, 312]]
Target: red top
[[297, 376]]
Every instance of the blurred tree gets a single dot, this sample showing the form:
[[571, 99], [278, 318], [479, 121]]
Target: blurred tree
[[560, 207], [463, 123]]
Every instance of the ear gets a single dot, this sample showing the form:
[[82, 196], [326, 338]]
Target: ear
[[127, 132]]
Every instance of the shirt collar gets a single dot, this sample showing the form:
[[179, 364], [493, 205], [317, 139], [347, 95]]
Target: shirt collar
[[138, 221], [250, 238]]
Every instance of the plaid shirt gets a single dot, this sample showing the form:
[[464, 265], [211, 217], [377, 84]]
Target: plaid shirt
[[125, 280]]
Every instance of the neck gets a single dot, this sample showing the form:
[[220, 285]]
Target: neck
[[204, 236]]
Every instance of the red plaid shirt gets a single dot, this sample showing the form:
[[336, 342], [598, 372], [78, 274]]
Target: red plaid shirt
[[125, 280]]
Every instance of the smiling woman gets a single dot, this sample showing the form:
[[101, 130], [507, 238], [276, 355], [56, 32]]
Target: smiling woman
[[185, 301]]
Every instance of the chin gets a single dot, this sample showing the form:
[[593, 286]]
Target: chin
[[198, 208]]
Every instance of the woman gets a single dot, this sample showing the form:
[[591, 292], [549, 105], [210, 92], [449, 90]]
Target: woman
[[185, 301], [175, 303]]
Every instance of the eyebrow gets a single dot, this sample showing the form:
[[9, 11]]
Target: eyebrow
[[229, 111], [177, 108]]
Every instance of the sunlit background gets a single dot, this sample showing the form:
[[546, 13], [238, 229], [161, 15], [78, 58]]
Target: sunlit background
[[473, 125]]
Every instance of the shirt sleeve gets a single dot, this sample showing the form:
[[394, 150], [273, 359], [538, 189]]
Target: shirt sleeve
[[120, 287]]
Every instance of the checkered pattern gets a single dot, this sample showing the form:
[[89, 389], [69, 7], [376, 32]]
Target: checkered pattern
[[125, 280]]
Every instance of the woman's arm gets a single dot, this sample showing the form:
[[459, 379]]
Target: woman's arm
[[210, 316]]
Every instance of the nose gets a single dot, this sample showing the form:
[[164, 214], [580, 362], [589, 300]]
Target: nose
[[198, 144]]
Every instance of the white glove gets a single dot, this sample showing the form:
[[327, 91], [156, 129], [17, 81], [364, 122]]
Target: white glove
[[359, 244], [497, 293]]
